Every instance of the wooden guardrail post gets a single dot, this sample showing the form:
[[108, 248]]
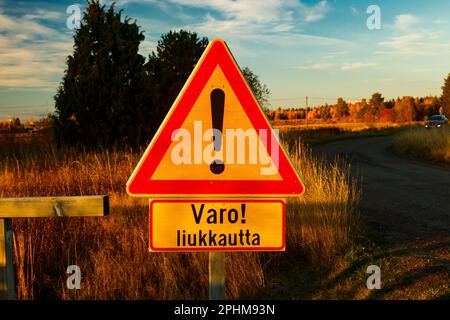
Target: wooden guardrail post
[[83, 206]]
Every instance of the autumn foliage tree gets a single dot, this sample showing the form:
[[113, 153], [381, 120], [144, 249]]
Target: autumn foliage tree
[[404, 109]]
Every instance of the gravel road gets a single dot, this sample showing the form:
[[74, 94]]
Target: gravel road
[[402, 200]]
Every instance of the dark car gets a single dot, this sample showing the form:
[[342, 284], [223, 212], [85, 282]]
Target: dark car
[[436, 121]]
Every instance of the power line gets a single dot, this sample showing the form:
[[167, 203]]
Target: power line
[[315, 98]]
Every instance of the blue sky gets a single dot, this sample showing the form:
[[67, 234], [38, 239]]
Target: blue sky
[[321, 49]]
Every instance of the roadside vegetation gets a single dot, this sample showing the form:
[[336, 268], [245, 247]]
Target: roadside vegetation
[[314, 135], [112, 251], [428, 144]]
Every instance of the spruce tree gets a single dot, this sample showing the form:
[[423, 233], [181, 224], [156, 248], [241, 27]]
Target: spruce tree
[[105, 94], [169, 67], [376, 105]]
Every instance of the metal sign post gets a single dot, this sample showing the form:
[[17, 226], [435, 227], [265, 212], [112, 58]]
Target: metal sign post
[[216, 275]]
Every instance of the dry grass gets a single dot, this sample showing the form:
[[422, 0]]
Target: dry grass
[[343, 126], [429, 144], [112, 251], [323, 133]]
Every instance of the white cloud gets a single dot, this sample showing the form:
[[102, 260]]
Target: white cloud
[[403, 42], [321, 66], [31, 64], [357, 65], [273, 15], [354, 11], [24, 83], [316, 66], [412, 37], [418, 43], [345, 66], [23, 25], [44, 15], [336, 54], [274, 22], [405, 22], [316, 12], [243, 10], [31, 54], [284, 27], [279, 35]]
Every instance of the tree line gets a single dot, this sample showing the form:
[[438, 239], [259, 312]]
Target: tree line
[[110, 94], [377, 109]]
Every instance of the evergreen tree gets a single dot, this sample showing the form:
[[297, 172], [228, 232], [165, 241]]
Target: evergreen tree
[[169, 67], [376, 105], [109, 96], [363, 109], [104, 96], [342, 109]]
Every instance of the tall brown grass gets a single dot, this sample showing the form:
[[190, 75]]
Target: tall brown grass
[[430, 144], [112, 251]]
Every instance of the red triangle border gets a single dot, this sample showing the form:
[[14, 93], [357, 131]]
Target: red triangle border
[[139, 183]]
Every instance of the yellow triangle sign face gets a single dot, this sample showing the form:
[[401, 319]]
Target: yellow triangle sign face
[[197, 123], [215, 140]]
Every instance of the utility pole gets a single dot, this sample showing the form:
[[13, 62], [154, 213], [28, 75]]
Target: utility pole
[[306, 113]]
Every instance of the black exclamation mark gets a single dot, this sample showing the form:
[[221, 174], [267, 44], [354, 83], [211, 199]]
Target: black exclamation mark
[[243, 213], [217, 108]]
